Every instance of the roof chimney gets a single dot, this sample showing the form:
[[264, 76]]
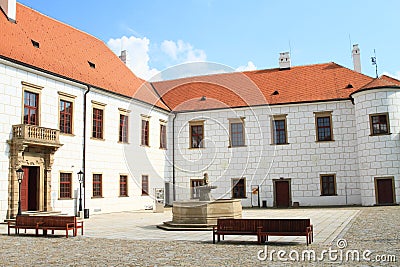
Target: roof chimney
[[9, 8], [123, 56], [356, 58], [284, 60]]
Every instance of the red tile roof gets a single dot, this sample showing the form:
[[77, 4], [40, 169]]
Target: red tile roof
[[66, 51], [319, 82]]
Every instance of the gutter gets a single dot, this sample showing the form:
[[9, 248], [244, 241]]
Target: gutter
[[173, 158], [84, 146]]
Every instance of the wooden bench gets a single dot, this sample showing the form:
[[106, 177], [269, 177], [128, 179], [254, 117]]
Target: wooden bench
[[26, 222], [262, 228], [63, 223], [45, 223], [285, 227]]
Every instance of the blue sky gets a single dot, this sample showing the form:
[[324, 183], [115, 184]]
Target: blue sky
[[239, 34]]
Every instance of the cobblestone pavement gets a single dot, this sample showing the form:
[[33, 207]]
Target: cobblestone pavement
[[374, 229]]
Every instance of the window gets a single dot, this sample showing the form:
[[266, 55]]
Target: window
[[65, 116], [97, 123], [236, 128], [145, 185], [123, 185], [123, 128], [194, 191], [379, 124], [328, 185], [163, 136], [323, 122], [65, 185], [145, 131], [279, 134], [97, 185], [31, 108], [238, 188], [196, 134]]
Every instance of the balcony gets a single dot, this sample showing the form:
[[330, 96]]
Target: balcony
[[35, 135]]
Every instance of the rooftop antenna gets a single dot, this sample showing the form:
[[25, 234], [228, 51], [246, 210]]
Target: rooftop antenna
[[374, 62]]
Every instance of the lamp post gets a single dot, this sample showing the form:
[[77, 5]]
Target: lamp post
[[80, 178], [20, 176]]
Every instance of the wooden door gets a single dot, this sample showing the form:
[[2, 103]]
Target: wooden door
[[282, 199], [33, 188], [24, 189], [384, 191]]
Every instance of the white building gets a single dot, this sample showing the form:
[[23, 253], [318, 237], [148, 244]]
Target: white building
[[309, 135]]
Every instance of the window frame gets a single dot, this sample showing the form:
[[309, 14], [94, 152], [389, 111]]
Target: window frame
[[62, 184], [145, 131], [66, 98], [274, 118], [324, 114], [123, 185], [33, 89], [235, 183], [196, 124], [322, 182], [194, 194], [371, 124], [232, 122], [163, 134], [145, 185], [95, 182], [100, 107]]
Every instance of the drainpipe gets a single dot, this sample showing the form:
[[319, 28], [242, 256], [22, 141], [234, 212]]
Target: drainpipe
[[173, 158], [84, 146]]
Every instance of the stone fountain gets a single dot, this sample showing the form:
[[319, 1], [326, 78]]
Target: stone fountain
[[202, 213]]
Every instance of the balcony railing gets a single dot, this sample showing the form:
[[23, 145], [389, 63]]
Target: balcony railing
[[36, 134]]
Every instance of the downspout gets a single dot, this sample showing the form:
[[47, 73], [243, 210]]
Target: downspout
[[84, 146], [173, 158]]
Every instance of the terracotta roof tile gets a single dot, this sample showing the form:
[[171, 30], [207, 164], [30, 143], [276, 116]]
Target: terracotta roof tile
[[309, 83], [66, 51]]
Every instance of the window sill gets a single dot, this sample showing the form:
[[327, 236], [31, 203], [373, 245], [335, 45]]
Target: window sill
[[145, 195], [67, 134], [163, 148], [380, 134], [97, 197], [123, 196], [65, 198], [280, 144], [97, 139], [239, 197], [144, 145], [324, 141], [236, 146], [123, 143], [334, 195], [196, 148]]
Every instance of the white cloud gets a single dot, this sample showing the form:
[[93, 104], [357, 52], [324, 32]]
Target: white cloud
[[137, 54], [396, 75], [250, 66], [182, 52]]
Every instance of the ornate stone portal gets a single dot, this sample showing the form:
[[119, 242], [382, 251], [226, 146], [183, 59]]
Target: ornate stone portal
[[202, 213], [32, 146]]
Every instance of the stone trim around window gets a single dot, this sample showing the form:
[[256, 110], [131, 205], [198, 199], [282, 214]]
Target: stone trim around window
[[323, 114], [35, 89], [232, 121], [387, 132], [192, 145], [321, 179], [280, 117], [68, 98]]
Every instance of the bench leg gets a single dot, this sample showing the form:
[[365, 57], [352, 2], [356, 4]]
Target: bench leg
[[213, 237]]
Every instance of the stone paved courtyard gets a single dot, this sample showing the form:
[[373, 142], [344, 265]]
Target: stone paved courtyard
[[131, 239]]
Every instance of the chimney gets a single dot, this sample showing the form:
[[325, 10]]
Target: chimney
[[9, 8], [123, 56], [284, 60], [356, 58]]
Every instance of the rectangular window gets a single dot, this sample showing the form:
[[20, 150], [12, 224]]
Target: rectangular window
[[194, 191], [163, 136], [97, 185], [196, 134], [145, 132], [123, 185], [65, 185], [97, 131], [239, 188], [236, 132], [328, 185], [379, 124], [31, 108], [145, 185], [323, 122], [123, 128], [65, 116]]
